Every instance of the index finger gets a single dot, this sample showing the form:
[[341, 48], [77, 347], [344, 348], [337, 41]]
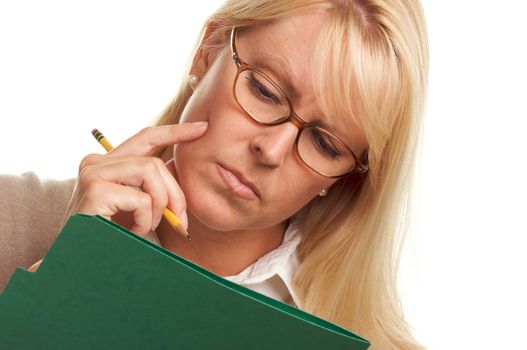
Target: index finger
[[151, 139]]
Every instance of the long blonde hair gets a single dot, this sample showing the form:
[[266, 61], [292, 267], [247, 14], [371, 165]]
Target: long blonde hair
[[371, 66]]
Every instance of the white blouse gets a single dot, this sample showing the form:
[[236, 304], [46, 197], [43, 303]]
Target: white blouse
[[272, 275]]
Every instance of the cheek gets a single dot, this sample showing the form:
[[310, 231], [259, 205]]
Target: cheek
[[304, 195], [213, 93], [195, 110], [298, 188]]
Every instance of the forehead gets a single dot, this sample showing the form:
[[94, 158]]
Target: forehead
[[287, 44], [285, 50]]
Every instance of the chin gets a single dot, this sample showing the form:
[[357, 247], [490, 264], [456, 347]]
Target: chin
[[214, 220], [213, 213]]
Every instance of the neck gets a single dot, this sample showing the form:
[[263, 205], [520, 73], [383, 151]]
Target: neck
[[223, 253]]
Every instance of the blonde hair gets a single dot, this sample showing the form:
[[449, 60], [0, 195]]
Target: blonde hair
[[371, 66]]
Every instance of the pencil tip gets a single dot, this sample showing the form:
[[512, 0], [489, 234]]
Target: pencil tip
[[188, 238]]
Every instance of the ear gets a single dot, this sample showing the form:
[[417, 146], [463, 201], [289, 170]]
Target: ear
[[212, 41]]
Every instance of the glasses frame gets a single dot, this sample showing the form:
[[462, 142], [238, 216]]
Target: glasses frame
[[294, 118]]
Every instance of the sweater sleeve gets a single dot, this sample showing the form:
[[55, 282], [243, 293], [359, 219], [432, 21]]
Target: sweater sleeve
[[31, 214]]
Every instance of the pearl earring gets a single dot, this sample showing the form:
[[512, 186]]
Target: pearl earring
[[323, 193], [193, 81]]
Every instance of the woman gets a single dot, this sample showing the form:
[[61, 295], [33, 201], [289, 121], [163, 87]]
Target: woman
[[289, 155]]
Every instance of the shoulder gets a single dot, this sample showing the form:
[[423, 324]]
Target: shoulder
[[31, 213], [29, 184], [21, 191], [27, 197]]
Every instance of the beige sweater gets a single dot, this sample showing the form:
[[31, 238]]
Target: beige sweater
[[32, 212]]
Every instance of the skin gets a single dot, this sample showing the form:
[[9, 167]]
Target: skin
[[229, 232]]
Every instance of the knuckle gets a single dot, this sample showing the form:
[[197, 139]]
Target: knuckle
[[150, 165], [144, 133], [158, 162], [162, 201], [86, 175], [87, 160], [144, 201], [146, 136], [146, 130]]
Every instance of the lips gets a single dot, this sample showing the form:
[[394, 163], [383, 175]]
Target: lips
[[237, 183]]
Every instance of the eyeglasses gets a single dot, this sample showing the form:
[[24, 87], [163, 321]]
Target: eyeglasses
[[265, 103]]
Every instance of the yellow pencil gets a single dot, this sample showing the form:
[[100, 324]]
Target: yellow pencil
[[169, 216]]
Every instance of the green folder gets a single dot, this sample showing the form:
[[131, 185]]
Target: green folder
[[103, 287]]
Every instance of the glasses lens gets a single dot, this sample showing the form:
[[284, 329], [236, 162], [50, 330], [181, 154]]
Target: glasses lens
[[260, 98], [324, 153], [263, 101]]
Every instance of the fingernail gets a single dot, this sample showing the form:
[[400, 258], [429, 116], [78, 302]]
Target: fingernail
[[156, 223], [184, 219], [200, 124]]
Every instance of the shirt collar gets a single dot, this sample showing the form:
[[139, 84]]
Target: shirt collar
[[281, 261]]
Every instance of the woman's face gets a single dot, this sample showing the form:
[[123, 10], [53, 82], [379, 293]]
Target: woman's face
[[242, 175]]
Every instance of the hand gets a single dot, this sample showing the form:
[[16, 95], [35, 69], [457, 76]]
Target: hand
[[108, 184], [35, 266]]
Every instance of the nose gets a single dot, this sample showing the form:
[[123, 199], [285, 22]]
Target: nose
[[272, 144]]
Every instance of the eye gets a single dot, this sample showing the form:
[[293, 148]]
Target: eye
[[261, 91], [324, 144]]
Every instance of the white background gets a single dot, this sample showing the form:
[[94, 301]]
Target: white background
[[66, 68]]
